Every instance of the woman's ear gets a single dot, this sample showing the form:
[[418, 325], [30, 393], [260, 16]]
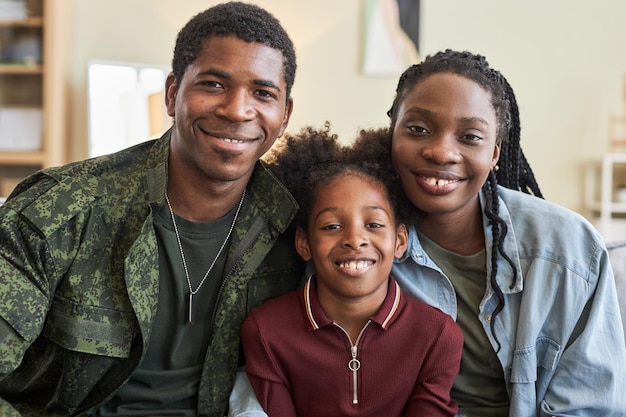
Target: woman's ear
[[496, 155], [302, 244], [402, 241]]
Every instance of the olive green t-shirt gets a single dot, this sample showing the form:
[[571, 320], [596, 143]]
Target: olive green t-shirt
[[479, 388], [167, 380]]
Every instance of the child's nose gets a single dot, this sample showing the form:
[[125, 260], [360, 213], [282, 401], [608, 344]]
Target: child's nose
[[354, 238]]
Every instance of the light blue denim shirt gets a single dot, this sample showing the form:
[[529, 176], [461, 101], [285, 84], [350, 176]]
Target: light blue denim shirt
[[562, 343]]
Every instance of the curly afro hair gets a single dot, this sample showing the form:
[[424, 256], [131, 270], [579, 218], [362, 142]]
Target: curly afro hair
[[311, 159]]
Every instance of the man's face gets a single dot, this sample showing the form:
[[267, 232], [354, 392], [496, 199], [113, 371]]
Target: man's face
[[228, 109]]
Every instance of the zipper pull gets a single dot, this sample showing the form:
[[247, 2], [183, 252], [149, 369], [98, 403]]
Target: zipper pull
[[354, 365]]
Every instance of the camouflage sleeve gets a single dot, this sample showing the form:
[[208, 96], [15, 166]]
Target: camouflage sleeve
[[25, 290], [6, 410]]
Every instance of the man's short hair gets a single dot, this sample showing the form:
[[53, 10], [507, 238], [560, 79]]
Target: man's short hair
[[248, 22]]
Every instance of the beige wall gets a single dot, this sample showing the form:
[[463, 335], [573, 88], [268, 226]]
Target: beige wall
[[564, 59]]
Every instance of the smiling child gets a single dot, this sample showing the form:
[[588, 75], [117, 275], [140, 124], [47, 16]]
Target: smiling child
[[349, 342]]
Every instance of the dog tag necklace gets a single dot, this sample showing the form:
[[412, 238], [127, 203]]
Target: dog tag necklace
[[193, 292]]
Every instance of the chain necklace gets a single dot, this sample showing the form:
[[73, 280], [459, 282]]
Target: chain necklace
[[193, 292]]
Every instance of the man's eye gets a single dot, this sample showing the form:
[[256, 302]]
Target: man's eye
[[212, 84], [265, 93]]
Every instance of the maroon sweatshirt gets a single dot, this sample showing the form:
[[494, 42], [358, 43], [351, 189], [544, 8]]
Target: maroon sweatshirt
[[302, 364]]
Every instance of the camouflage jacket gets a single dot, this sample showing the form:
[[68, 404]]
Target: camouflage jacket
[[79, 280]]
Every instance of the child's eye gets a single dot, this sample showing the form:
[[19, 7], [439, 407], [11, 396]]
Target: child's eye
[[375, 225], [417, 129], [331, 227]]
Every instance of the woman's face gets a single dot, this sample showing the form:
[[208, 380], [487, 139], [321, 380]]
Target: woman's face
[[444, 144]]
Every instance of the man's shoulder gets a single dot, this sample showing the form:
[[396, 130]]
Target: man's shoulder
[[50, 197], [272, 197]]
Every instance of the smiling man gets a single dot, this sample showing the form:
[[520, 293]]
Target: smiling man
[[124, 279]]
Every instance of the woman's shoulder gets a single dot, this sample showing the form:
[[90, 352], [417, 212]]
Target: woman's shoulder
[[423, 312], [539, 229], [527, 212]]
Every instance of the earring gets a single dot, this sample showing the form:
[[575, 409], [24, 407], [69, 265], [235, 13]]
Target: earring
[[496, 168]]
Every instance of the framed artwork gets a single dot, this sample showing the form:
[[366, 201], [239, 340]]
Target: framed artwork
[[391, 38]]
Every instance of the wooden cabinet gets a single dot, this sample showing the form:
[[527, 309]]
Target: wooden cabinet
[[33, 100]]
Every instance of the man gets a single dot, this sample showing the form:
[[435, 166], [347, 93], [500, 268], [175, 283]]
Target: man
[[124, 279]]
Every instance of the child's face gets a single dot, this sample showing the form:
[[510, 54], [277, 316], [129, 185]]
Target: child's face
[[352, 238], [444, 144]]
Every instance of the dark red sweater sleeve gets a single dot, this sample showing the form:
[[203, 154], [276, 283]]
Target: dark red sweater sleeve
[[431, 394], [266, 378]]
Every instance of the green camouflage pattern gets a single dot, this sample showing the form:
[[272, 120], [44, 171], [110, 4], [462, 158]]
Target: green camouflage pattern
[[79, 280]]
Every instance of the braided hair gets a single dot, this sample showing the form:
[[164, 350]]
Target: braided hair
[[514, 171]]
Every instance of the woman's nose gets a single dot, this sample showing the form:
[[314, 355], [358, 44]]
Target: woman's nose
[[442, 149]]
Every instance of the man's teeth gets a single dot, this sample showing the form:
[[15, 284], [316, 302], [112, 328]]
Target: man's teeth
[[232, 140], [438, 182], [355, 264]]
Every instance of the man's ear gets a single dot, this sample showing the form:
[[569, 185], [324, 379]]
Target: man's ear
[[171, 88], [286, 116], [302, 244], [402, 241]]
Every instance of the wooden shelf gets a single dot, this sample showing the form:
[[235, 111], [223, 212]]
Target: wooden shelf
[[29, 84], [21, 157], [33, 21], [21, 68], [602, 181]]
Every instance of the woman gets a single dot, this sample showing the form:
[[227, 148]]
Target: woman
[[528, 282]]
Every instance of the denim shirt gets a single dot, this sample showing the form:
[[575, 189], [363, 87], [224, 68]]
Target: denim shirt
[[562, 344]]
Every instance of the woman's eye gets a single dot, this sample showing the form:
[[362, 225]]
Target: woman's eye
[[471, 138]]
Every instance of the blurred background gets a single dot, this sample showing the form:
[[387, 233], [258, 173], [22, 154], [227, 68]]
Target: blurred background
[[564, 60]]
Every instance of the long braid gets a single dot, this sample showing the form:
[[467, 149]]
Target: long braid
[[517, 173], [514, 171], [498, 231]]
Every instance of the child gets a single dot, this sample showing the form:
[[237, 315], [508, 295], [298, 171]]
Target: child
[[349, 342]]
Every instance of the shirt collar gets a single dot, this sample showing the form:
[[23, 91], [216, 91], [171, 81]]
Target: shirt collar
[[318, 319], [418, 254]]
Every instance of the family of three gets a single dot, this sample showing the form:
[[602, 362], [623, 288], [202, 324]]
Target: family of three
[[417, 271]]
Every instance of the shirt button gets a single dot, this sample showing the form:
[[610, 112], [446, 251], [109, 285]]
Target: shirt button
[[489, 318]]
